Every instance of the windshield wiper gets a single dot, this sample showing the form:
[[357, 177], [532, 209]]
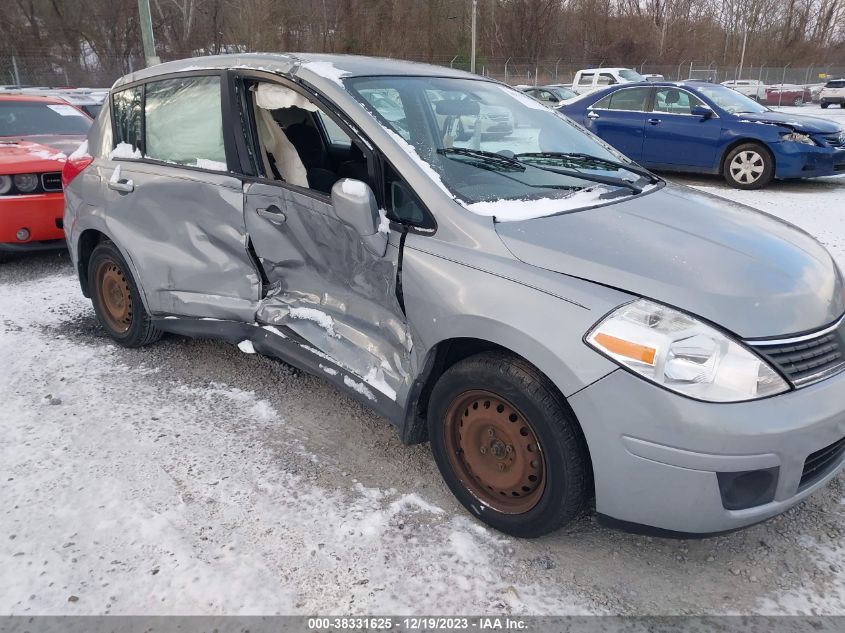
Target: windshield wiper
[[635, 169], [490, 157]]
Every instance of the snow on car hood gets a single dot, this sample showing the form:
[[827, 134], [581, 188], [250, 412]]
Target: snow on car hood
[[798, 122], [747, 271], [22, 155]]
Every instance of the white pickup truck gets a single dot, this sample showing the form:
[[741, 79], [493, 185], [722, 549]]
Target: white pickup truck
[[591, 79], [749, 87]]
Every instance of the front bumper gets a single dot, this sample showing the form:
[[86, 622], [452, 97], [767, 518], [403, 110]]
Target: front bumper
[[656, 454], [797, 160], [41, 214]]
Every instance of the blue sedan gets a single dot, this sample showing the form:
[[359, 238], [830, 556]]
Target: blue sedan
[[706, 128]]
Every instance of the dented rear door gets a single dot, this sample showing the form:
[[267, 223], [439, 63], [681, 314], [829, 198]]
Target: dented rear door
[[335, 296]]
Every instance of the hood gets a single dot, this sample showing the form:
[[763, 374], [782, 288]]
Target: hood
[[49, 153], [798, 122], [747, 271]]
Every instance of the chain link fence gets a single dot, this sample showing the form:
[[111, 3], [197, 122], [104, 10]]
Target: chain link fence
[[97, 72]]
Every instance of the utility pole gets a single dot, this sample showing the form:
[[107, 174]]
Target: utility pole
[[472, 54], [147, 33], [742, 55]]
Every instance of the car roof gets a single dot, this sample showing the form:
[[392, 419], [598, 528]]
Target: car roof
[[324, 65], [32, 98]]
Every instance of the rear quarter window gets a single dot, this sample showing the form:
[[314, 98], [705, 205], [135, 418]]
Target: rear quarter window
[[126, 116], [840, 83]]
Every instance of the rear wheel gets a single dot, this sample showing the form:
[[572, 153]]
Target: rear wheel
[[748, 166], [798, 101], [116, 299], [508, 446]]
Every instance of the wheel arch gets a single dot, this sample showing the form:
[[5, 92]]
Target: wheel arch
[[85, 245], [441, 357], [742, 141]]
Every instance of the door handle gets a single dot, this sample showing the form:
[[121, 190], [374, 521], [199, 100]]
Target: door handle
[[654, 121], [123, 186], [272, 213], [592, 115]]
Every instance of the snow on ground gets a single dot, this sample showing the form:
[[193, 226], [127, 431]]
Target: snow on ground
[[190, 478], [125, 493]]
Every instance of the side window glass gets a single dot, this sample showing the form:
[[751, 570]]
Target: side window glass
[[126, 115], [184, 122], [603, 104], [606, 79], [335, 133], [633, 99], [674, 101], [402, 204], [586, 79]]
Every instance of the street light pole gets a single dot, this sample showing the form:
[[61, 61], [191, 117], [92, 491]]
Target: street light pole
[[472, 54], [147, 33]]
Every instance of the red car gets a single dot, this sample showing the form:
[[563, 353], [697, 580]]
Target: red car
[[36, 134], [786, 94]]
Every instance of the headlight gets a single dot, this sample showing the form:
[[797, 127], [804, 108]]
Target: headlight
[[26, 182], [683, 354], [797, 137], [5, 184]]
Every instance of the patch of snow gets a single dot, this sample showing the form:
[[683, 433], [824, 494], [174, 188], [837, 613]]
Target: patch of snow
[[80, 152], [204, 163], [515, 210], [353, 187], [375, 378], [359, 387], [40, 153], [115, 175], [329, 370], [312, 314], [273, 329], [384, 223], [327, 70], [246, 347], [124, 150]]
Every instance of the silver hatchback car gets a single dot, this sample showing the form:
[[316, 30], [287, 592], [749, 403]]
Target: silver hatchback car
[[559, 323]]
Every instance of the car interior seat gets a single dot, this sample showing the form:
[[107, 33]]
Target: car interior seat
[[306, 139], [355, 167]]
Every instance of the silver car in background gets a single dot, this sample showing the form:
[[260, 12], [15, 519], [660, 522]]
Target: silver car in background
[[558, 322]]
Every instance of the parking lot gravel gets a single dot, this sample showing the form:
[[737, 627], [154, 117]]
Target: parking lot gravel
[[188, 477]]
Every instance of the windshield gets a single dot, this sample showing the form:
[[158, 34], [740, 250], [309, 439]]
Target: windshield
[[28, 118], [487, 142], [631, 75], [563, 93], [730, 100]]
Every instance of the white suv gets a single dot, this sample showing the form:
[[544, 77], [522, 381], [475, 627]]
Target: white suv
[[833, 92]]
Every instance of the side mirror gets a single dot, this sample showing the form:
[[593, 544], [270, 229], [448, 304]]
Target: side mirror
[[703, 111], [355, 205]]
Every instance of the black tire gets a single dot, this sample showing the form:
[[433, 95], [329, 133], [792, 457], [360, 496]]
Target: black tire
[[842, 105], [748, 166], [567, 474], [137, 329], [824, 104], [798, 101]]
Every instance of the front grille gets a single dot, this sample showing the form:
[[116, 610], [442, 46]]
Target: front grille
[[818, 464], [834, 140], [52, 181], [807, 359]]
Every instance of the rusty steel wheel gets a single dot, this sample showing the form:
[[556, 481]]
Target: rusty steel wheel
[[494, 451], [115, 296]]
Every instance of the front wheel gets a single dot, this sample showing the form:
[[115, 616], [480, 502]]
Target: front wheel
[[508, 446], [798, 101], [116, 299], [748, 166], [824, 105]]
